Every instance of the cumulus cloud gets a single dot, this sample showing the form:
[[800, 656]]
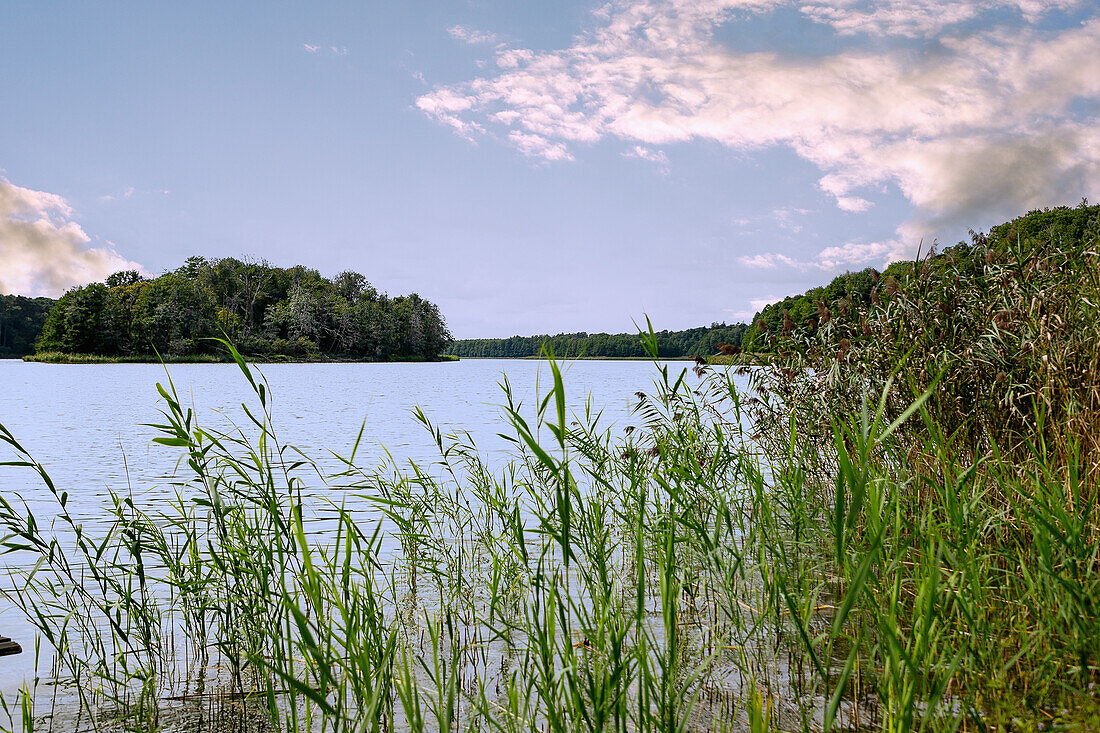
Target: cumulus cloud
[[43, 250], [850, 255], [857, 254], [986, 115]]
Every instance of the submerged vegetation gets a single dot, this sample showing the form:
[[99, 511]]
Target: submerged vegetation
[[894, 527], [266, 310]]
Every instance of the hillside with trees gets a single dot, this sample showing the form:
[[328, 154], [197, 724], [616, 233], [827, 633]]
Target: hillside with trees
[[701, 341], [264, 310], [853, 294]]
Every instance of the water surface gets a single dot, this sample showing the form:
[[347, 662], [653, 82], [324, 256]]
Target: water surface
[[85, 422]]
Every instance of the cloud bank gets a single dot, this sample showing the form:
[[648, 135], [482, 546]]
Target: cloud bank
[[42, 250], [971, 109]]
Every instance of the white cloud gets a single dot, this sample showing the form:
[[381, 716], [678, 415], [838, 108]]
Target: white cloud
[[473, 37], [786, 218], [656, 157], [44, 252], [536, 146], [968, 125], [769, 260], [317, 49], [755, 306], [129, 192], [850, 255], [857, 254], [919, 18], [847, 256]]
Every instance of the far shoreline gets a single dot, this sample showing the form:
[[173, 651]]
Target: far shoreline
[[59, 358], [715, 360]]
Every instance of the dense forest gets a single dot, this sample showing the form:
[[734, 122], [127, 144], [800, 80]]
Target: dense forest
[[21, 321], [264, 310], [671, 344]]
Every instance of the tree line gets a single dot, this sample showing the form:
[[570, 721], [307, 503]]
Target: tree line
[[702, 341], [262, 309], [267, 310]]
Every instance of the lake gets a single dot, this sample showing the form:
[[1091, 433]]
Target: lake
[[85, 423]]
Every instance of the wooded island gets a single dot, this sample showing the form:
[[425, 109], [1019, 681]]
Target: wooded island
[[265, 311]]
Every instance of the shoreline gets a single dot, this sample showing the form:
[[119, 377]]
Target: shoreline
[[715, 360], [56, 358]]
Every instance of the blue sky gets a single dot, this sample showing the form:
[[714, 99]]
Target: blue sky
[[534, 166]]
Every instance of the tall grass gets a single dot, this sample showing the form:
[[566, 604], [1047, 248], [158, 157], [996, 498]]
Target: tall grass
[[730, 562]]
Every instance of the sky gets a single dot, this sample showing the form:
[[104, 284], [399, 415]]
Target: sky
[[532, 166]]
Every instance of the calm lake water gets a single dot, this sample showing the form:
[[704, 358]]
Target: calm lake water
[[85, 423]]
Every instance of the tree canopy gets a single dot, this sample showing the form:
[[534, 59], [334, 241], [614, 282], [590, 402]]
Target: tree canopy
[[700, 341], [262, 309]]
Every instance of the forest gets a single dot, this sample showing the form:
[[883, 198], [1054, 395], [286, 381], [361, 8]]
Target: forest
[[262, 309], [700, 341]]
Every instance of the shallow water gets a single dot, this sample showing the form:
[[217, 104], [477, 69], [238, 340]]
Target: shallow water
[[85, 423]]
